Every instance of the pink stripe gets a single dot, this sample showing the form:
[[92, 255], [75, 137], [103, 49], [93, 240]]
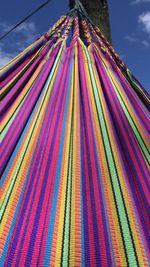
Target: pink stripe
[[23, 114], [14, 73], [45, 151], [94, 176]]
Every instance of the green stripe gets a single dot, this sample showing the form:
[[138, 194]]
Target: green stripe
[[137, 86], [26, 67], [67, 213], [66, 235], [114, 176], [29, 137], [8, 124], [131, 121], [5, 129]]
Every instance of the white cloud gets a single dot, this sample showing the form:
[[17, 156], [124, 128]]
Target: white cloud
[[26, 29], [30, 26], [145, 43], [144, 20], [5, 57], [24, 35], [135, 2], [4, 27], [131, 38], [134, 39]]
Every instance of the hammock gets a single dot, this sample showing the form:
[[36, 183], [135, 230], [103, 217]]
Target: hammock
[[74, 154]]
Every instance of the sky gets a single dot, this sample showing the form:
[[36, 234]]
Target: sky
[[130, 27]]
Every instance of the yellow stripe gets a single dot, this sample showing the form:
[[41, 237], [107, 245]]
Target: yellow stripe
[[74, 175], [117, 238], [22, 148], [121, 176], [8, 65], [63, 176], [50, 88], [20, 73]]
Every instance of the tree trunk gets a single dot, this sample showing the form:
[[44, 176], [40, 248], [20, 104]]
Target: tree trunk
[[98, 12]]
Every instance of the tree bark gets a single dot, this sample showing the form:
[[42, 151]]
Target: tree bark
[[98, 12]]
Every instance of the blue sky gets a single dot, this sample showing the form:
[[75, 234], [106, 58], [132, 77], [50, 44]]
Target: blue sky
[[130, 25]]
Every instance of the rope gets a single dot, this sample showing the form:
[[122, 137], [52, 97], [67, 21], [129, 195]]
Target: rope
[[22, 21]]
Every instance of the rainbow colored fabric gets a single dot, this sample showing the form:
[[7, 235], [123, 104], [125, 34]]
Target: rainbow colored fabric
[[74, 157]]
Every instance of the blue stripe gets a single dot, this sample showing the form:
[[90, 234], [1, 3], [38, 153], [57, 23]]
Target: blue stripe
[[56, 186]]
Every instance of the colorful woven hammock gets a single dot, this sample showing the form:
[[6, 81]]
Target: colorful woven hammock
[[74, 157]]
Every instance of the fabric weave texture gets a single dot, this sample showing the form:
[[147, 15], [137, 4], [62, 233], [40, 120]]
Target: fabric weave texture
[[74, 160]]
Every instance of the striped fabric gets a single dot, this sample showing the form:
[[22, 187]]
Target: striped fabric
[[74, 161]]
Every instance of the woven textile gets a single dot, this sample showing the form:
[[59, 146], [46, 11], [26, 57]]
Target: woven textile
[[74, 157]]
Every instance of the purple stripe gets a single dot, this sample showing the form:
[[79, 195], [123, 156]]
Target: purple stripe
[[25, 112], [46, 129]]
